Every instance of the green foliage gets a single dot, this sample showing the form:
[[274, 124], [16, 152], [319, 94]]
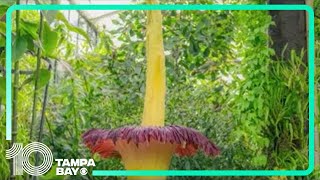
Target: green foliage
[[316, 6], [2, 34], [23, 48], [250, 80], [50, 40], [20, 46], [43, 79], [29, 28], [221, 80], [289, 99], [60, 17], [2, 87], [3, 146]]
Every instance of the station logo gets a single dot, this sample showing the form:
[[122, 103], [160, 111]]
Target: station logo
[[73, 166], [21, 161]]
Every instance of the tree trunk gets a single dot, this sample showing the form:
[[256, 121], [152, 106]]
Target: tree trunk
[[289, 30]]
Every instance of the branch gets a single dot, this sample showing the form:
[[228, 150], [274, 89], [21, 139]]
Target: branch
[[42, 119], [105, 15], [84, 16], [27, 72], [36, 84]]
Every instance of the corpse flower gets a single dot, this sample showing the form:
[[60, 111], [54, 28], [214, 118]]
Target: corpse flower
[[151, 145]]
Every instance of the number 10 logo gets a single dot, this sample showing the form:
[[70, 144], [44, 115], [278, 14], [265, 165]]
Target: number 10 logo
[[21, 156]]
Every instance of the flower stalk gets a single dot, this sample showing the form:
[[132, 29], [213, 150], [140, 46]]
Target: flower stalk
[[154, 101], [151, 145]]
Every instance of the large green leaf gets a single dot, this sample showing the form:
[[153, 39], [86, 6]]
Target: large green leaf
[[3, 28], [2, 41], [2, 34], [44, 78], [30, 28], [72, 28], [50, 40], [20, 46], [3, 10], [32, 44], [2, 87]]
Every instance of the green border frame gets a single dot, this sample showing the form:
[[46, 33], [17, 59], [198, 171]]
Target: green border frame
[[178, 7]]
